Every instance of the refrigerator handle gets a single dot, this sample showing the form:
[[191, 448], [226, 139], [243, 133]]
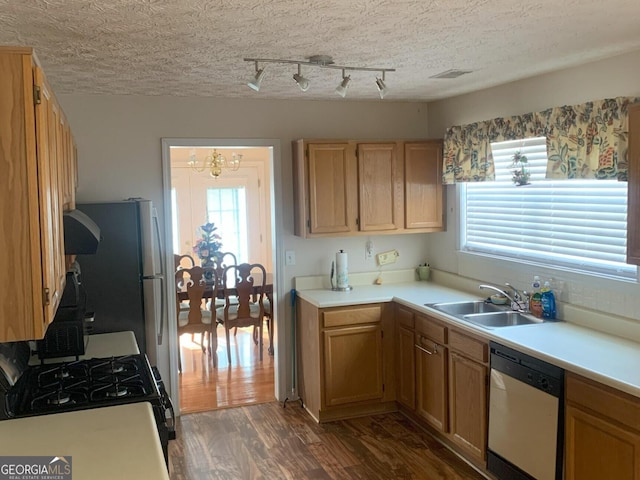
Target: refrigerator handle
[[159, 240], [163, 312]]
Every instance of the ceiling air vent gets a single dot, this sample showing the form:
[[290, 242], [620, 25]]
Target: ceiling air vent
[[454, 73]]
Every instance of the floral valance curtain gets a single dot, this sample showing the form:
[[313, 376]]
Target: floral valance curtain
[[583, 141]]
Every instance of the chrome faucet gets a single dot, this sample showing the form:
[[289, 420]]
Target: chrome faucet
[[519, 301]]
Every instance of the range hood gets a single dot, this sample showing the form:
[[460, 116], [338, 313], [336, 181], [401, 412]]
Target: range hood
[[81, 234]]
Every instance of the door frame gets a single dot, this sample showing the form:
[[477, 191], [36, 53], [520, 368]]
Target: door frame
[[277, 225]]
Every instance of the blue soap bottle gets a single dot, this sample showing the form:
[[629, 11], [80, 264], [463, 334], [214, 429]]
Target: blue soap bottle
[[548, 301]]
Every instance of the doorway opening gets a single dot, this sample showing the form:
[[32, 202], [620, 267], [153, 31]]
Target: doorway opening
[[240, 204]]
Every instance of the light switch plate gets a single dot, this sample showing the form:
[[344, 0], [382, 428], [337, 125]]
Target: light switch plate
[[368, 250], [290, 257]]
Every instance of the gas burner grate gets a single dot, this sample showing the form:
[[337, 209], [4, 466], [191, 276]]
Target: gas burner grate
[[88, 383], [61, 396], [51, 376]]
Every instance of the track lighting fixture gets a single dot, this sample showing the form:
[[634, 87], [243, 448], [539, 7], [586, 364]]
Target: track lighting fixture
[[302, 82], [382, 88], [342, 88], [320, 61], [255, 82]]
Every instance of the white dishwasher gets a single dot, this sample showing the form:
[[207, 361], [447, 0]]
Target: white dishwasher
[[526, 398]]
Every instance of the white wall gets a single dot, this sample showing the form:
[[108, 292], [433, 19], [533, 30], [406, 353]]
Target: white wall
[[617, 76], [119, 155]]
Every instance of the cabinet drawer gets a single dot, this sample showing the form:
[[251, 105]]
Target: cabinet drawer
[[469, 347], [430, 328], [405, 317], [605, 400], [354, 316]]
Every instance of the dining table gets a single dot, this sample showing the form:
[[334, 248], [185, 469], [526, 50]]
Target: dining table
[[182, 295]]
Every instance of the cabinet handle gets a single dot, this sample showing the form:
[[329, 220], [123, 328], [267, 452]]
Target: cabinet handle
[[435, 349]]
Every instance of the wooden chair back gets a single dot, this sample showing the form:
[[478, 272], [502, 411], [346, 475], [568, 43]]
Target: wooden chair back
[[183, 261], [246, 282], [192, 281], [222, 260]]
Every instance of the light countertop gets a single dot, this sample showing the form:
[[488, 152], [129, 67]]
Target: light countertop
[[608, 359], [104, 443]]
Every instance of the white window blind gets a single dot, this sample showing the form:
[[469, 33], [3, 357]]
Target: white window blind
[[577, 224]]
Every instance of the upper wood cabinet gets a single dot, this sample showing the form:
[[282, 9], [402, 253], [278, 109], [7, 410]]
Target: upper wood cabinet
[[351, 187], [379, 187], [633, 206], [32, 157], [424, 207]]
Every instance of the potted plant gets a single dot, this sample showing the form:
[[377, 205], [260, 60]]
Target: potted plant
[[520, 171], [207, 245]]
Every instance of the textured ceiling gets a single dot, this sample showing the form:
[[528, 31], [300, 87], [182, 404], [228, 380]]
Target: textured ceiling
[[196, 47]]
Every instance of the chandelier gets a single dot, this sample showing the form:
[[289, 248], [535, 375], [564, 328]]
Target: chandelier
[[214, 163]]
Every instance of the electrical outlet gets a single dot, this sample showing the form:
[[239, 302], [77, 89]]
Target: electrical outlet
[[387, 257]]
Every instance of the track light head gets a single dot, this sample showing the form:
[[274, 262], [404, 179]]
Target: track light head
[[302, 82], [342, 88], [255, 82], [382, 87]]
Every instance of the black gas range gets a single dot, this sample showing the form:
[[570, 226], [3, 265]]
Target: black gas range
[[90, 383]]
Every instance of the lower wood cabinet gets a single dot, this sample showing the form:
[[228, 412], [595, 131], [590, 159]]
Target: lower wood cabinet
[[405, 358], [602, 432], [468, 404], [345, 360], [431, 382], [353, 364], [442, 377]]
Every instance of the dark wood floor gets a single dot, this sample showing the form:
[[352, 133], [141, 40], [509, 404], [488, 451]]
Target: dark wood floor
[[270, 442]]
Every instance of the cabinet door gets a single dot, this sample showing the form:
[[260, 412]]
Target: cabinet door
[[423, 185], [353, 364], [406, 374], [468, 404], [633, 186], [596, 448], [331, 194], [50, 200], [431, 382], [379, 187]]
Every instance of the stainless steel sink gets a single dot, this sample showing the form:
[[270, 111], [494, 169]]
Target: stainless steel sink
[[501, 319], [465, 308], [485, 314]]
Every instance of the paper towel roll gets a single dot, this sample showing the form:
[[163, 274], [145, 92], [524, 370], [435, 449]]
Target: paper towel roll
[[342, 269]]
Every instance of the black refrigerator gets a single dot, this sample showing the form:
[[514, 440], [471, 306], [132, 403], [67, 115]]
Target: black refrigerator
[[124, 282]]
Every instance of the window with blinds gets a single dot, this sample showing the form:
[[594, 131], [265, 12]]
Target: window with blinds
[[575, 224]]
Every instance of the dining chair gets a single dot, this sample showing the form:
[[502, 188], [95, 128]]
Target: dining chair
[[183, 261], [246, 282], [197, 318]]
